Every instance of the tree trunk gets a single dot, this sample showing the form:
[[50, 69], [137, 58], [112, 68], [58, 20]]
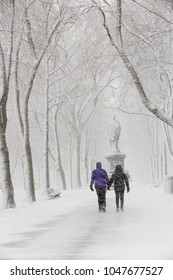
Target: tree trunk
[[165, 160], [86, 160], [157, 151], [30, 189], [23, 128], [78, 163], [156, 157], [46, 183], [8, 191], [5, 69], [23, 172], [87, 171], [152, 170], [71, 164], [46, 152], [161, 165], [59, 168]]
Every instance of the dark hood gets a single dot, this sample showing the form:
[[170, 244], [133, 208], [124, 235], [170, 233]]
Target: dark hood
[[98, 165], [118, 169]]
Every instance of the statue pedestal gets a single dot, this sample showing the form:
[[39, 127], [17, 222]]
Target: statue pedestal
[[113, 159]]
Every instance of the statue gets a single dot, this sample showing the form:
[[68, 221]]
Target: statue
[[114, 131]]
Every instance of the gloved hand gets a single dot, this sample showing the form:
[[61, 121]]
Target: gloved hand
[[91, 188], [108, 188], [128, 190]]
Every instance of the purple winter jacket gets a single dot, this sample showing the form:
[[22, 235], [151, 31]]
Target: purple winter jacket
[[99, 177]]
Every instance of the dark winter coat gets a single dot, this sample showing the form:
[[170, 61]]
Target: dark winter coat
[[120, 180], [99, 177]]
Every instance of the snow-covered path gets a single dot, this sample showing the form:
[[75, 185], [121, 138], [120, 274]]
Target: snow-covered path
[[72, 228]]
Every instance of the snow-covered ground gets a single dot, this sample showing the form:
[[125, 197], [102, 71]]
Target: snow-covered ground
[[72, 228]]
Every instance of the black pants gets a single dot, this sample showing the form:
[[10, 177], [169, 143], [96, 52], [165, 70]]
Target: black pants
[[119, 197], [101, 193]]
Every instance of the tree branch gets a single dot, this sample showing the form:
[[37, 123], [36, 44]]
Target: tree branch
[[4, 77], [149, 105], [119, 25], [150, 11], [29, 35], [11, 43]]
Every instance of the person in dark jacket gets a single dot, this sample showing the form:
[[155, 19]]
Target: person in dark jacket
[[100, 179], [120, 180]]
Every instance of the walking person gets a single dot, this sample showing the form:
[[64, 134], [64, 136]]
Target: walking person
[[99, 179], [120, 180]]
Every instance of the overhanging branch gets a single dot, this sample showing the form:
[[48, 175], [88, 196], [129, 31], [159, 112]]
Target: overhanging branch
[[147, 103]]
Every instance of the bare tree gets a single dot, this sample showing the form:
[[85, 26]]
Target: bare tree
[[120, 49], [46, 132], [5, 70], [57, 22], [59, 168]]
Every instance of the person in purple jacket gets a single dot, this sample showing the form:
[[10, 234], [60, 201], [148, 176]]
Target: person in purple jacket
[[99, 179]]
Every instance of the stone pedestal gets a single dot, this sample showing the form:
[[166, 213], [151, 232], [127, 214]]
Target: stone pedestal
[[113, 159]]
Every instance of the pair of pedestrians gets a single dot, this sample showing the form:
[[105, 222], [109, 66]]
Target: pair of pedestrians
[[101, 183]]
